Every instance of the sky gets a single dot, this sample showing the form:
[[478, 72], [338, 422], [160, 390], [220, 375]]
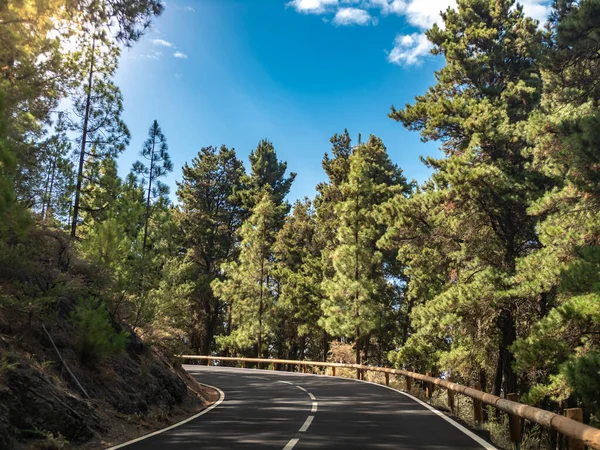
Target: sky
[[233, 72]]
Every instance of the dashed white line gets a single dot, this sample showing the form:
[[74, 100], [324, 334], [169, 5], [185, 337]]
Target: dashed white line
[[292, 442], [307, 423], [290, 445]]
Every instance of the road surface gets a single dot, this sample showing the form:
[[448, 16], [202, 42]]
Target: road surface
[[282, 410]]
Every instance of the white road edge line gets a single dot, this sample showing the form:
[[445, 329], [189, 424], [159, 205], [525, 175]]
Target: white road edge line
[[314, 407], [307, 423], [312, 397], [301, 388], [485, 444], [290, 445], [204, 411]]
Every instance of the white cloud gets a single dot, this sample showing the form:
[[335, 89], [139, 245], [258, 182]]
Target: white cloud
[[409, 49], [180, 55], [388, 6], [190, 9], [424, 14], [538, 9], [312, 6], [352, 16], [162, 43], [153, 55]]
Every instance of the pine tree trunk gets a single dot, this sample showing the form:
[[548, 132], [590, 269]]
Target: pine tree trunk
[[150, 179], [86, 119], [51, 188], [505, 378], [358, 344], [302, 347], [509, 336], [45, 196], [325, 345]]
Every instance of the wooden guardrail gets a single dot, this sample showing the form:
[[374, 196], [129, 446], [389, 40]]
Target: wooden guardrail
[[571, 426]]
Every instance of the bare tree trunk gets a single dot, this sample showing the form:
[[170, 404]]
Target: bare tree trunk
[[86, 119]]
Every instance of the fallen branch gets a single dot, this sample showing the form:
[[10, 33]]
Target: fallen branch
[[64, 363]]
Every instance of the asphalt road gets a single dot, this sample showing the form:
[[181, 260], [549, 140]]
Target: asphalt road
[[281, 410]]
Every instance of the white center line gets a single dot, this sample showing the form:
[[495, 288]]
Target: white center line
[[309, 420], [292, 442], [290, 445]]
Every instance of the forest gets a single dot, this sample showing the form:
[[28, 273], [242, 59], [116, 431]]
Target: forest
[[488, 271]]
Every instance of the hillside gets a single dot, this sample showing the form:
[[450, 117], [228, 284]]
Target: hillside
[[131, 391]]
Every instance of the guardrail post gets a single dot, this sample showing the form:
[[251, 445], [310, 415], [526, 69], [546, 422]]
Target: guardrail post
[[451, 397], [514, 423], [387, 379], [274, 366], [303, 368], [243, 364], [575, 414], [477, 407], [333, 370], [428, 388], [364, 374], [408, 384]]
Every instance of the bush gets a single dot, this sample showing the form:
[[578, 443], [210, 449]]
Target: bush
[[96, 336]]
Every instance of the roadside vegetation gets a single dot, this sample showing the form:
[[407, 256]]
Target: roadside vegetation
[[489, 271]]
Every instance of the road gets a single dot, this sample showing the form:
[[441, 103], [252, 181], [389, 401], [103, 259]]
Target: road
[[282, 410]]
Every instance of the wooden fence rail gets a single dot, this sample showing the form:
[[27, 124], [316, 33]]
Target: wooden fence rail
[[578, 433]]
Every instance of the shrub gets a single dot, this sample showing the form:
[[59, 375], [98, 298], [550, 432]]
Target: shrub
[[96, 336]]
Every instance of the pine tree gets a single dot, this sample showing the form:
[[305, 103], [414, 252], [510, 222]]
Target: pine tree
[[208, 216], [156, 152], [559, 352], [354, 305], [329, 194], [266, 171], [479, 194], [248, 286], [98, 106], [56, 176], [298, 274]]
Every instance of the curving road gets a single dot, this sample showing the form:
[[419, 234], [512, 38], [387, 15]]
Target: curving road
[[282, 410]]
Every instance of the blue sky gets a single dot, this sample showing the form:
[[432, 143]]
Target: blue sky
[[295, 72]]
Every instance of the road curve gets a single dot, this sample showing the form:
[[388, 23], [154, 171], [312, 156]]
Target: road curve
[[282, 410]]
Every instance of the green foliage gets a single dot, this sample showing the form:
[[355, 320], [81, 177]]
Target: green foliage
[[490, 269], [155, 151], [583, 375], [209, 214], [299, 274], [267, 173], [463, 231], [96, 336], [355, 295], [248, 287]]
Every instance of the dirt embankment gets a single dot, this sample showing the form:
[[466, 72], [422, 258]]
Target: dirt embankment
[[42, 406]]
